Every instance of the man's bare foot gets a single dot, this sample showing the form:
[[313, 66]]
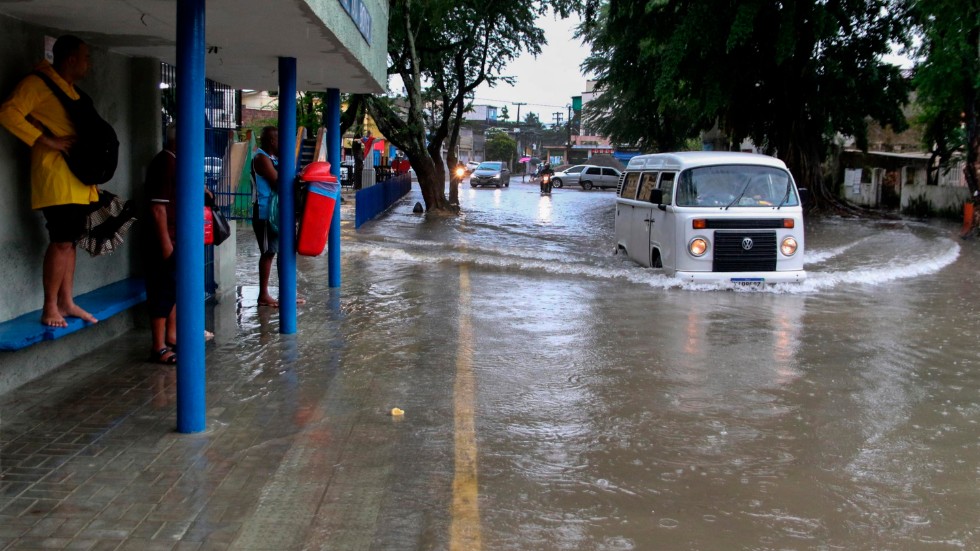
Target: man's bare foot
[[76, 312], [53, 319]]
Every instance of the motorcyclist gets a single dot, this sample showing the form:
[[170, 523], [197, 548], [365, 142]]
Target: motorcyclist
[[546, 170]]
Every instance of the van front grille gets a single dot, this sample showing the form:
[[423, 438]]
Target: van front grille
[[731, 254], [743, 223]]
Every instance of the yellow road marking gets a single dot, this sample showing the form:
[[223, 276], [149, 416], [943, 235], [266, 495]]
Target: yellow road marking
[[465, 530]]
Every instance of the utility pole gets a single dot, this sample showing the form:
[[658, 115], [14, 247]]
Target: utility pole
[[519, 150], [519, 104], [568, 149]]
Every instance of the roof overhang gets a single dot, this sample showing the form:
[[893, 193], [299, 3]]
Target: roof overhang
[[245, 38]]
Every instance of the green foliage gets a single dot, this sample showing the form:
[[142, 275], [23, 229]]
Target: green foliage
[[919, 207], [442, 50], [946, 80], [789, 75], [500, 147], [504, 113]]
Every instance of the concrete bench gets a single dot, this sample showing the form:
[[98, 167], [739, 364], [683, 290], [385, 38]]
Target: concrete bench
[[102, 303]]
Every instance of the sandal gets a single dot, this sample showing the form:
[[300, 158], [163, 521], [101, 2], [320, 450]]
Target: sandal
[[164, 356]]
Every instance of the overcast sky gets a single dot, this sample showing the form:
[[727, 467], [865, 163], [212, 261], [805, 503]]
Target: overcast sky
[[546, 83]]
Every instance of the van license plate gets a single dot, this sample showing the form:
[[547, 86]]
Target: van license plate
[[748, 281]]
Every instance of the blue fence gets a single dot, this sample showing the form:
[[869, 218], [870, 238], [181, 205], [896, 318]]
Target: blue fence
[[372, 201]]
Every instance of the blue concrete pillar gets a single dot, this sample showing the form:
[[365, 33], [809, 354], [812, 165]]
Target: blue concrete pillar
[[190, 217], [333, 157], [287, 197]]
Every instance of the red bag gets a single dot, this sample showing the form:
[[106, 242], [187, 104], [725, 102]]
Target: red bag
[[208, 226]]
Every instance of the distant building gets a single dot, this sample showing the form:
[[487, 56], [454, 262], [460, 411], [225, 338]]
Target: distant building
[[487, 113]]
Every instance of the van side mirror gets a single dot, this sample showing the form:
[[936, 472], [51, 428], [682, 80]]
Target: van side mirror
[[656, 196]]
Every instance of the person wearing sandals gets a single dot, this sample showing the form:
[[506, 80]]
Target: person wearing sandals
[[161, 269]]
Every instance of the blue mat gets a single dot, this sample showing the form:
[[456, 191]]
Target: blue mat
[[102, 303]]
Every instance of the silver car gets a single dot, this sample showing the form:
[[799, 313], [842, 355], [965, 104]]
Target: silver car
[[587, 176], [490, 173]]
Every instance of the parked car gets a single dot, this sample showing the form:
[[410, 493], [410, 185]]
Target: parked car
[[471, 166], [490, 173], [587, 176], [212, 171]]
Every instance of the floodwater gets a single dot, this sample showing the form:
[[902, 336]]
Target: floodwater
[[577, 401]]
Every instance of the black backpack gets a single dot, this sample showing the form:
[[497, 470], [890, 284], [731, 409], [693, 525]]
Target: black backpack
[[94, 155]]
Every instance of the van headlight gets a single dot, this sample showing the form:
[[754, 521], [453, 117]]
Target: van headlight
[[698, 246], [789, 246]]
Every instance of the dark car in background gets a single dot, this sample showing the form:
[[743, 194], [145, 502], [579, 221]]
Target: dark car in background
[[490, 173]]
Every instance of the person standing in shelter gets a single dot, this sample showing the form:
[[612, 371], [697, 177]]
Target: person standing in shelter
[[34, 114], [265, 170], [161, 267]]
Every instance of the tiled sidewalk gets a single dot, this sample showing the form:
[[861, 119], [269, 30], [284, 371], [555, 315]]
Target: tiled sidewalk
[[299, 453]]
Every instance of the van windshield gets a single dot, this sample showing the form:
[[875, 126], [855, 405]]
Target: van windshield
[[735, 186]]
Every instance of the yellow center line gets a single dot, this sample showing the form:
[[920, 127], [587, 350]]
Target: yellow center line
[[465, 530]]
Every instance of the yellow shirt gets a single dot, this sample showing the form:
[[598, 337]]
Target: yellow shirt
[[52, 182]]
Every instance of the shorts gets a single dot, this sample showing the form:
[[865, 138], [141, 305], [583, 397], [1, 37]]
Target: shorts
[[161, 285], [66, 223], [267, 237]]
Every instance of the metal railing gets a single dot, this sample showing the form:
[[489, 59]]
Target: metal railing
[[219, 133]]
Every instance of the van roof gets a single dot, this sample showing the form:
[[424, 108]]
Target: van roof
[[688, 159]]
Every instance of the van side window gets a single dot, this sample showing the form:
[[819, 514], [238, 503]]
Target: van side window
[[647, 184], [667, 185], [632, 183]]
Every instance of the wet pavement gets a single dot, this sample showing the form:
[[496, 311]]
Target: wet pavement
[[556, 396]]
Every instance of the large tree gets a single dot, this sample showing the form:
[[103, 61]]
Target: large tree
[[947, 81], [791, 75], [442, 50]]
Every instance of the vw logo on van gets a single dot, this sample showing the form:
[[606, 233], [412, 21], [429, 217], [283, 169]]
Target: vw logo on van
[[747, 243]]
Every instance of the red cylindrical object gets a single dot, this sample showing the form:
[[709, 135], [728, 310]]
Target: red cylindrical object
[[321, 197]]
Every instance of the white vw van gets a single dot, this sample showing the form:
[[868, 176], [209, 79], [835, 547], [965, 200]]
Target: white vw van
[[712, 216]]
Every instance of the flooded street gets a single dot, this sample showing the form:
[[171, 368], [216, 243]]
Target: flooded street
[[555, 396], [558, 396]]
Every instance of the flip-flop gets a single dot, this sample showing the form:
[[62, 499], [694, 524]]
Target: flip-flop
[[161, 356]]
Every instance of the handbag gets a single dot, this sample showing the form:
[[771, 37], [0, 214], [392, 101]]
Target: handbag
[[220, 228]]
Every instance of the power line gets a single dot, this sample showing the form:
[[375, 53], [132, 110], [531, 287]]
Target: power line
[[513, 102]]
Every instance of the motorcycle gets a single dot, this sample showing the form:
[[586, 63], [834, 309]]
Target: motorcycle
[[546, 184]]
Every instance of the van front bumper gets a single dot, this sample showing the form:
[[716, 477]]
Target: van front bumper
[[794, 276]]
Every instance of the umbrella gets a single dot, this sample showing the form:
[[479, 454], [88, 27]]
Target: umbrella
[[524, 159], [107, 224]]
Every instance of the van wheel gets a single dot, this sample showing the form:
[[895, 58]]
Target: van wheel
[[586, 186]]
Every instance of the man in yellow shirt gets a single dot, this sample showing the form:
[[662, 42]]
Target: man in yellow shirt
[[35, 115]]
